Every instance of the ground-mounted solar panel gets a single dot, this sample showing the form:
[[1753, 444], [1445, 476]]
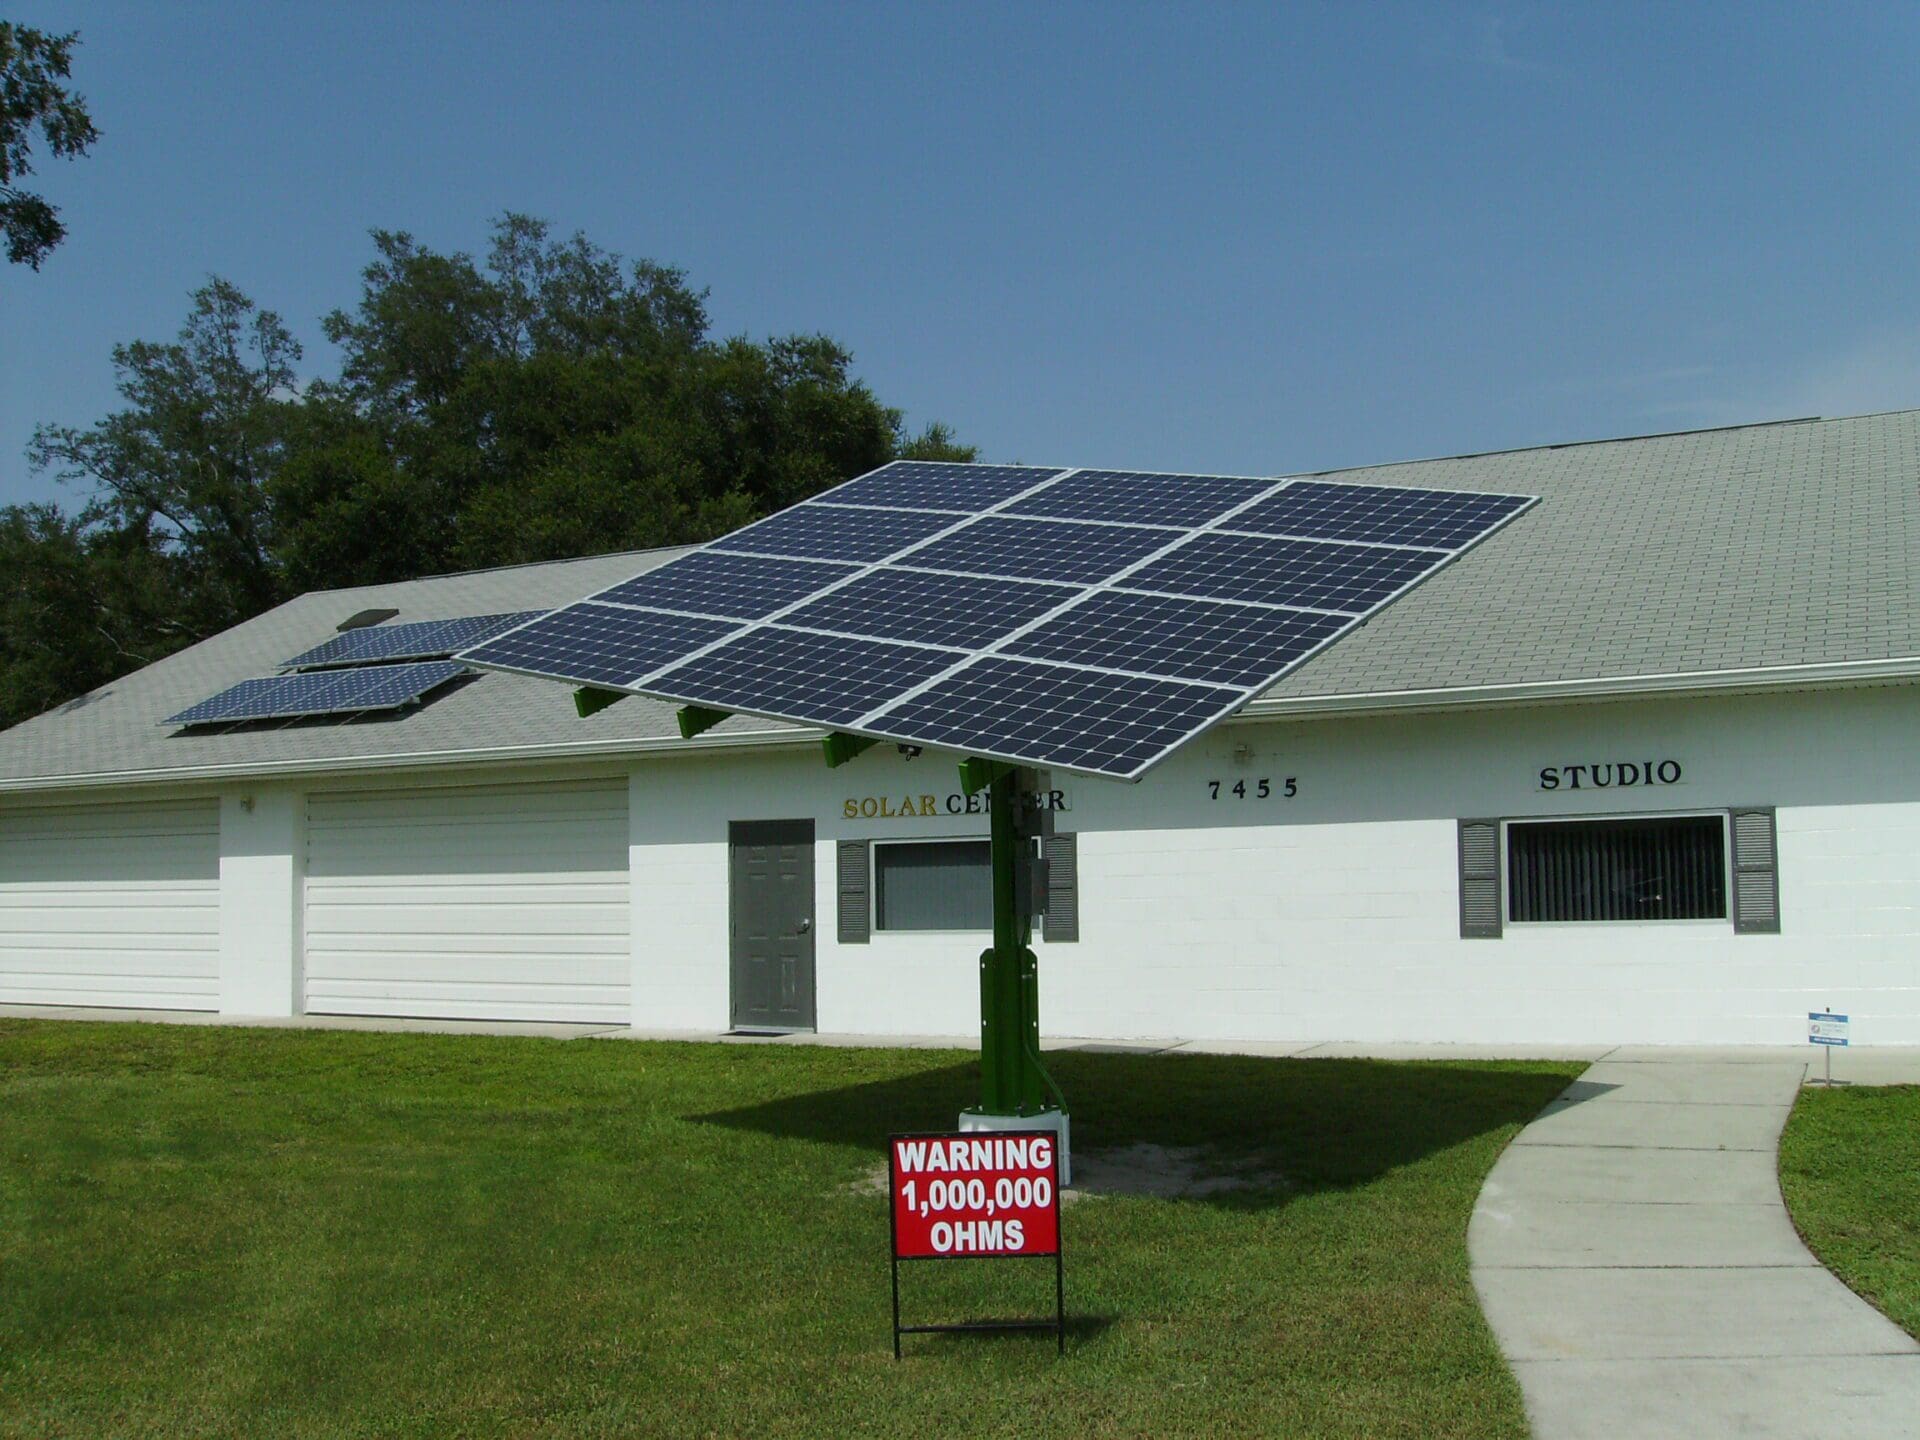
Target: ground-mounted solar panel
[[730, 587], [935, 609], [416, 640], [835, 532], [1314, 574], [1384, 514], [322, 692], [932, 485], [1142, 498], [792, 674], [1185, 639], [1039, 549], [595, 644], [1086, 620], [1080, 719]]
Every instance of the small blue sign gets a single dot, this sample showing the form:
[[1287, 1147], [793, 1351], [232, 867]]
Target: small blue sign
[[1826, 1028]]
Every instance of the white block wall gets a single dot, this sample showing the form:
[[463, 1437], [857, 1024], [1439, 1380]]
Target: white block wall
[[1330, 915], [1335, 914]]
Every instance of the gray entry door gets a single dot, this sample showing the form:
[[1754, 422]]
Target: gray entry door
[[772, 905]]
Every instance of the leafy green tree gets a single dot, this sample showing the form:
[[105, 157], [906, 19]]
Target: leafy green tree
[[32, 65], [553, 400], [77, 608], [558, 400], [185, 469]]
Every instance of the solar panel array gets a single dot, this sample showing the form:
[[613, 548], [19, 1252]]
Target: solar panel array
[[416, 640], [321, 692], [1092, 620]]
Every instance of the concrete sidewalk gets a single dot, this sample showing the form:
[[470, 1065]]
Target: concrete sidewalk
[[1637, 1265]]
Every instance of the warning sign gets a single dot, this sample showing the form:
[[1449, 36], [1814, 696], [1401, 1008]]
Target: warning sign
[[974, 1195]]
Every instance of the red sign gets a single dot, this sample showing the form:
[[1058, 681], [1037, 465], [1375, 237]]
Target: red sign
[[975, 1195]]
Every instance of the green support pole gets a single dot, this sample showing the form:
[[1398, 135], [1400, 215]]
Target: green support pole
[[1011, 1081]]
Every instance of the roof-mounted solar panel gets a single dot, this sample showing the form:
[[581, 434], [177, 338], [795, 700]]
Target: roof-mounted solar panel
[[1090, 620], [416, 640], [321, 692]]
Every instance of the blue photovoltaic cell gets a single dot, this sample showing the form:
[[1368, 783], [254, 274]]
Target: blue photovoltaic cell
[[592, 644], [710, 582], [1141, 498], [1056, 715], [416, 640], [1391, 515], [935, 609], [828, 532], [1039, 549], [931, 485], [320, 692], [1352, 578], [1193, 639], [791, 675]]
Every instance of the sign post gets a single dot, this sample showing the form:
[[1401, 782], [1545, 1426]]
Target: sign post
[[976, 1196], [1827, 1029]]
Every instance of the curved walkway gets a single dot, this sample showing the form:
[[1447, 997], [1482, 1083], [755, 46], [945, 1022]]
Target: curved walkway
[[1636, 1262]]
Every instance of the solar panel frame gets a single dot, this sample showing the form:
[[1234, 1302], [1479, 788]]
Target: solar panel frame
[[880, 722]]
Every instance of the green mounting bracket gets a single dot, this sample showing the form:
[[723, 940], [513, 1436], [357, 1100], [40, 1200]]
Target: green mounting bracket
[[697, 719], [591, 700], [977, 774], [841, 747]]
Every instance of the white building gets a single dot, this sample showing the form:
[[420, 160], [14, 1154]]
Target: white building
[[1642, 767]]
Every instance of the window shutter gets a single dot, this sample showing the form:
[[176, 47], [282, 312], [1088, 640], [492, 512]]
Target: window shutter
[[1480, 879], [855, 912], [1756, 873], [1063, 888]]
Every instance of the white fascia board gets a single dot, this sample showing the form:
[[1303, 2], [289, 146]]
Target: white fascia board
[[1604, 687], [1903, 670], [344, 765]]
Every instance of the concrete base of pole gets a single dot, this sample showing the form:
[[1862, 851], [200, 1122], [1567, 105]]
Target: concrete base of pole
[[1055, 1120]]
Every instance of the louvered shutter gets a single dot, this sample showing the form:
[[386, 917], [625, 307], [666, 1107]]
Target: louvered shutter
[[852, 872], [1756, 873], [1480, 879], [1063, 888]]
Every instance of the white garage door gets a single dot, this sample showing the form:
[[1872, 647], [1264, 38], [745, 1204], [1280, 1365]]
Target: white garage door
[[111, 905], [503, 903]]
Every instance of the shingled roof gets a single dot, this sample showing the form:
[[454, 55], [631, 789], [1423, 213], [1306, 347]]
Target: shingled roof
[[1684, 559]]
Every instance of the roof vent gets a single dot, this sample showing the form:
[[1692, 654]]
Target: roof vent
[[365, 618]]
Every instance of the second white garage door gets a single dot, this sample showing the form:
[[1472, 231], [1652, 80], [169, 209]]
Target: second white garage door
[[502, 903]]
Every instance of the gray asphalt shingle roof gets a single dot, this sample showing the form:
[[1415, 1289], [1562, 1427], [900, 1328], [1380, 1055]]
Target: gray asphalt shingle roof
[[1756, 547]]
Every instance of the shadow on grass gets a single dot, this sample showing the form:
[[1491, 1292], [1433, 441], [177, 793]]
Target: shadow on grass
[[1316, 1124]]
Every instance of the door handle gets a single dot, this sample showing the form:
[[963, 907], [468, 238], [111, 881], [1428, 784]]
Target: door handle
[[805, 926]]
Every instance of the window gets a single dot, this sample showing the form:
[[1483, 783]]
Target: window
[[1665, 868], [933, 885]]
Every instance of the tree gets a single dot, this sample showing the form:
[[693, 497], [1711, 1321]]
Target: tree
[[558, 400], [32, 65], [185, 470], [553, 400]]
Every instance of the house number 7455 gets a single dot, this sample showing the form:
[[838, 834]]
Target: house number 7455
[[1261, 789]]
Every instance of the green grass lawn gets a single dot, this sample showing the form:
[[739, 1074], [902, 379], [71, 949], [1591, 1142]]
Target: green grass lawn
[[228, 1232], [1850, 1169]]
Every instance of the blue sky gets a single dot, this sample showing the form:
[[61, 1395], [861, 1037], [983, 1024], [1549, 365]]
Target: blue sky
[[1251, 239]]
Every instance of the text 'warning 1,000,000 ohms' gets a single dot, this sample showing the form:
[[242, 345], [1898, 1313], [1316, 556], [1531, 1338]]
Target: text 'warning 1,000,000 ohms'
[[974, 1196]]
